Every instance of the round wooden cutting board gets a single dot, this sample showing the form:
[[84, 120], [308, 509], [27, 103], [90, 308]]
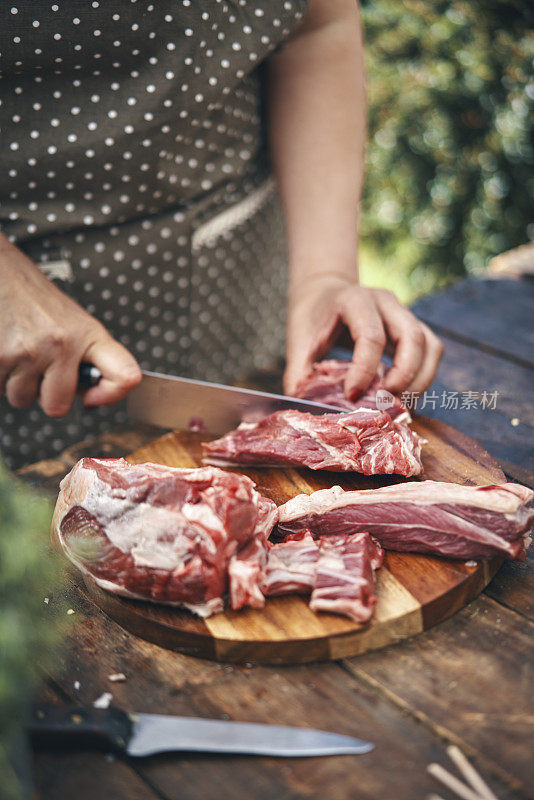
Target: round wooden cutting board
[[414, 592]]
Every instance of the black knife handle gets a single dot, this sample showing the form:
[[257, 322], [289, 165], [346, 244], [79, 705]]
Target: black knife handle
[[88, 375], [69, 726]]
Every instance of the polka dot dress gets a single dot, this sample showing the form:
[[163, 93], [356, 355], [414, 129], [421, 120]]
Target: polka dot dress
[[136, 177]]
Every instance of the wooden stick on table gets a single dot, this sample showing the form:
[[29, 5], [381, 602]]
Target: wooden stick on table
[[478, 788], [452, 783], [470, 774]]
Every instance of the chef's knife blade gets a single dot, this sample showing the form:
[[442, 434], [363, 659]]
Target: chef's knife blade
[[182, 403], [146, 734]]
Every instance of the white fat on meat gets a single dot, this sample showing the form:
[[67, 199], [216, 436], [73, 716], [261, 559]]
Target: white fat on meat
[[303, 423], [345, 578], [428, 516], [506, 498], [162, 533], [291, 565]]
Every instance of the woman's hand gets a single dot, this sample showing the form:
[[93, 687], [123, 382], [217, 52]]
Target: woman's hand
[[376, 322], [44, 335]]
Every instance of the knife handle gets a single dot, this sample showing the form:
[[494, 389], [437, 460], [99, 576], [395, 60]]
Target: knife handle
[[70, 726], [88, 375]]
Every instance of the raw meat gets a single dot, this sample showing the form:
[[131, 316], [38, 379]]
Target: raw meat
[[338, 571], [291, 565], [325, 385], [245, 572], [161, 533], [364, 440], [425, 517], [345, 579]]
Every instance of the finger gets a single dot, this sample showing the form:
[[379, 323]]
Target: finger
[[408, 336], [368, 333], [120, 371], [22, 385], [308, 340], [4, 372], [430, 364], [58, 387]]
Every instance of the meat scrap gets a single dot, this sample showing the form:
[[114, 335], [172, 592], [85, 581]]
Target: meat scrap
[[345, 578], [291, 565], [338, 572], [446, 519], [363, 440], [161, 533], [325, 384]]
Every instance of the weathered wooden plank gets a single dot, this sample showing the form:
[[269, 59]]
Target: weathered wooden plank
[[323, 696], [504, 440], [63, 774], [85, 776], [471, 679], [315, 697], [513, 586], [495, 315], [465, 369]]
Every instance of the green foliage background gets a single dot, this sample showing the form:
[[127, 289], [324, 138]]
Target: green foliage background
[[450, 179], [28, 629]]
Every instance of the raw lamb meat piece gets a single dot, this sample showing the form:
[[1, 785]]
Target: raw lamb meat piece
[[245, 572], [161, 533], [364, 440], [325, 385], [345, 579], [424, 517], [338, 571], [291, 565]]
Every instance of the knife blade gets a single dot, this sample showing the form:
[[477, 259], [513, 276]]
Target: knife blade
[[146, 734], [183, 403]]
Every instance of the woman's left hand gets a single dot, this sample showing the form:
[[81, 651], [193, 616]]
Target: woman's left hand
[[376, 322]]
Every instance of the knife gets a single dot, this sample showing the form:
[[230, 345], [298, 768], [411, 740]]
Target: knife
[[146, 734], [183, 403]]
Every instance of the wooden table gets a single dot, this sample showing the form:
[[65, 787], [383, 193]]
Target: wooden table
[[467, 681]]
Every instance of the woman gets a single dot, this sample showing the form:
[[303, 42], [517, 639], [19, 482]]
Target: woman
[[140, 221]]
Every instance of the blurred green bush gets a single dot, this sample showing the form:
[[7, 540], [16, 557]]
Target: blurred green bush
[[450, 179], [29, 627]]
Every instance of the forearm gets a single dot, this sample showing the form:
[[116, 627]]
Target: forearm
[[316, 100]]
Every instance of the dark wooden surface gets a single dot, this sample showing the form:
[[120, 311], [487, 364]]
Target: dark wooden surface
[[467, 681]]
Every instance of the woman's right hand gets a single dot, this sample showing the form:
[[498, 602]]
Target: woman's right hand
[[44, 335]]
